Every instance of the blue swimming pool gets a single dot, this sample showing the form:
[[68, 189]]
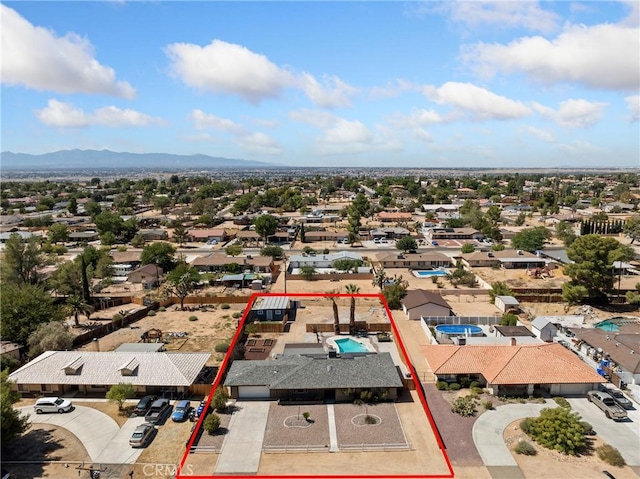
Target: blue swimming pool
[[348, 345], [428, 273], [459, 329], [608, 326]]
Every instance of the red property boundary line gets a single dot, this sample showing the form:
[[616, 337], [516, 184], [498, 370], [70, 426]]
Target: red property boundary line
[[225, 364]]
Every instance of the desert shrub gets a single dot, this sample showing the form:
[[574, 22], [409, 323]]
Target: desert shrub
[[558, 429], [465, 382], [370, 419], [193, 318], [219, 400], [224, 306], [474, 384], [151, 312], [476, 390], [442, 385], [221, 348], [487, 405], [236, 315], [562, 402], [527, 425], [464, 407], [162, 309], [454, 386], [588, 428], [306, 415], [523, 447], [610, 455], [117, 318], [212, 423]]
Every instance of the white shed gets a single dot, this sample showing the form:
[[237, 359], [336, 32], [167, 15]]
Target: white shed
[[506, 303], [543, 328]]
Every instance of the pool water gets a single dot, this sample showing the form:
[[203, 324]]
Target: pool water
[[427, 273], [348, 345], [459, 329], [608, 326]]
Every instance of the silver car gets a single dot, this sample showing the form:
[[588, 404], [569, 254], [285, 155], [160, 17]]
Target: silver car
[[142, 434]]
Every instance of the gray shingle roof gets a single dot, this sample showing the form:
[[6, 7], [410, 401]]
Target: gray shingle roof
[[103, 368], [299, 372]]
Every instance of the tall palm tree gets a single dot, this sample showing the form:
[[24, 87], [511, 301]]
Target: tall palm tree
[[78, 306], [352, 289], [336, 317]]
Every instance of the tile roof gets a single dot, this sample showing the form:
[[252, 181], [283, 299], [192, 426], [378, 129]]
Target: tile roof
[[623, 347], [521, 364], [104, 368], [419, 297]]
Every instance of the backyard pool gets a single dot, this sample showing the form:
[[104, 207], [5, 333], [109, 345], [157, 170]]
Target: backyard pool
[[608, 326], [459, 329], [428, 273], [348, 345]]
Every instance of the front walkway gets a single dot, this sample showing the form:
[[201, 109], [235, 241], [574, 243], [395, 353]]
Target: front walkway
[[242, 446]]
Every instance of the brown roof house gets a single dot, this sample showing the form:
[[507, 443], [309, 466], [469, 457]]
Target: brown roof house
[[148, 275], [419, 302], [514, 370]]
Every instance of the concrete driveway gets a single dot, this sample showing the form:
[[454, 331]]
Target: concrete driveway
[[94, 428], [104, 441]]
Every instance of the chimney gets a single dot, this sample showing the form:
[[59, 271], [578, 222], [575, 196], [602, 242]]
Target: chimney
[[96, 344], [512, 341]]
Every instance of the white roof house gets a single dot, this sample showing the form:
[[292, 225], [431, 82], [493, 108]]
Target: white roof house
[[322, 260], [59, 371]]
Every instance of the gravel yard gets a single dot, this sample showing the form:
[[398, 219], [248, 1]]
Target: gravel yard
[[351, 431], [284, 428]]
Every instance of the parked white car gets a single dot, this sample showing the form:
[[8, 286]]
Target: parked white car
[[52, 404]]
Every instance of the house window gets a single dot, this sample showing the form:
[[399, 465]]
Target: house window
[[95, 386], [45, 388], [23, 388], [277, 311]]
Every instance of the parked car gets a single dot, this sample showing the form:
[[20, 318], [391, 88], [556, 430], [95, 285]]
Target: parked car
[[141, 436], [620, 398], [143, 405], [605, 402], [52, 404], [434, 243], [181, 411], [158, 411]]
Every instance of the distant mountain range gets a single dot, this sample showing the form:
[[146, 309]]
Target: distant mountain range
[[89, 159]]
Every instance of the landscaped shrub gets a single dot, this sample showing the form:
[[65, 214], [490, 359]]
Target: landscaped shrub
[[212, 423], [476, 390], [454, 386], [465, 382], [523, 447], [306, 415], [151, 312], [193, 318], [224, 306], [474, 384], [611, 455], [236, 315], [588, 428], [162, 309], [442, 385], [487, 405], [464, 407], [369, 419], [221, 347], [527, 425], [558, 429], [562, 402]]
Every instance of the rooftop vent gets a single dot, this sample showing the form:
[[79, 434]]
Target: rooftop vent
[[74, 367]]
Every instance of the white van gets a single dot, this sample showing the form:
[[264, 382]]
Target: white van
[[52, 404]]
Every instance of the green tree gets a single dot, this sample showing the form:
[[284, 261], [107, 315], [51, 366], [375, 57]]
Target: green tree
[[593, 257], [558, 429], [346, 264], [58, 233], [509, 319], [52, 336], [179, 234], [564, 232], [119, 393], [632, 228], [574, 293], [78, 305], [23, 308], [138, 241], [266, 225], [160, 253], [499, 288], [272, 250], [12, 424], [467, 248], [72, 207], [395, 291], [352, 289], [212, 423], [336, 317], [219, 400], [233, 250], [308, 272], [531, 239], [181, 282], [67, 279], [407, 243], [379, 278], [22, 259]]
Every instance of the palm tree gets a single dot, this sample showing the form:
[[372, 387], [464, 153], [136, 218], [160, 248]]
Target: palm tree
[[78, 306], [352, 289], [336, 317]]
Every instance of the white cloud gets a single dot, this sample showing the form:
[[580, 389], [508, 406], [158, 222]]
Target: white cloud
[[582, 149], [260, 143], [540, 134], [317, 118], [64, 115], [633, 103], [346, 131], [418, 117], [423, 135], [393, 89], [601, 56], [477, 101], [203, 121], [573, 113], [36, 58], [504, 14], [222, 67]]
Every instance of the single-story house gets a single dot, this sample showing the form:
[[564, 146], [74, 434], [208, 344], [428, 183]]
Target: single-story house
[[322, 260], [514, 369], [87, 372], [414, 260], [82, 236], [221, 262], [507, 259], [437, 208], [312, 236], [14, 350], [297, 377], [506, 303], [419, 302], [154, 234], [147, 274], [248, 236], [434, 234], [390, 217], [543, 328], [390, 233], [270, 308]]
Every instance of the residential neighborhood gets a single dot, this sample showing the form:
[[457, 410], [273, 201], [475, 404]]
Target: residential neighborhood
[[379, 324]]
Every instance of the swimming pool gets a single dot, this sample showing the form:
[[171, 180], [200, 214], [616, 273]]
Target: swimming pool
[[608, 326], [349, 345], [428, 273], [459, 329]]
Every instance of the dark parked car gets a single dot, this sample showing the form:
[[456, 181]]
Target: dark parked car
[[200, 409], [181, 411], [158, 411], [620, 398], [143, 405], [141, 435]]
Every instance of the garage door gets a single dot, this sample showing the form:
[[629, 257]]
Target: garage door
[[574, 389], [253, 392]]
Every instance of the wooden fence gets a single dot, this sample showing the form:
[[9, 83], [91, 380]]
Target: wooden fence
[[110, 326], [329, 276]]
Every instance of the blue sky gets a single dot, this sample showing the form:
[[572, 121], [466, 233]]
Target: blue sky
[[413, 84]]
